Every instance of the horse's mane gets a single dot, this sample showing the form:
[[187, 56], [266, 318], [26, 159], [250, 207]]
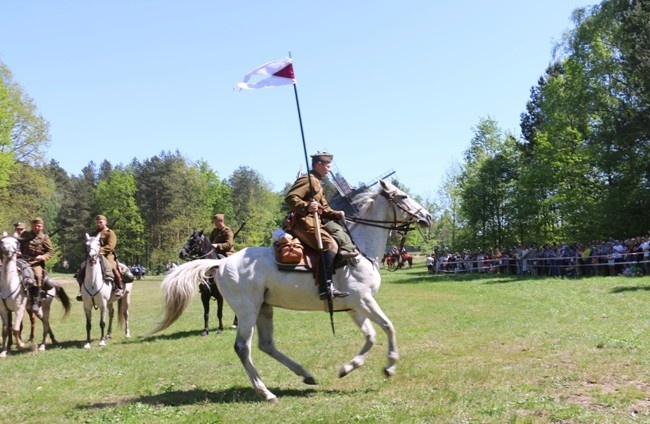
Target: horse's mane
[[364, 200]]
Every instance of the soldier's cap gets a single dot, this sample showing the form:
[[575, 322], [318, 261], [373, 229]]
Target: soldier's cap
[[38, 221], [322, 157], [19, 225], [102, 217], [218, 216]]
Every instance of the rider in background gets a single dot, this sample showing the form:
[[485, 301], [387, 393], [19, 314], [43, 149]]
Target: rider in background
[[222, 237], [107, 243], [36, 248]]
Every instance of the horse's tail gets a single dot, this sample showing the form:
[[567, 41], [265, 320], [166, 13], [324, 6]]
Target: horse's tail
[[63, 297], [179, 287]]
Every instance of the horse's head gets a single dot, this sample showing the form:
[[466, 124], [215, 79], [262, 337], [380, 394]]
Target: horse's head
[[406, 210], [8, 246], [197, 246], [92, 247]]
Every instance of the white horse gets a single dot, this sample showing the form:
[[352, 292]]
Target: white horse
[[95, 291], [13, 296], [252, 285]]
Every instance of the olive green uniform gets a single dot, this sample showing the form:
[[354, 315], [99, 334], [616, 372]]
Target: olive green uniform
[[33, 245], [304, 226], [222, 239]]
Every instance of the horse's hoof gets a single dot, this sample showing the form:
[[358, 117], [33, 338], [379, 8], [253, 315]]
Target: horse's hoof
[[233, 327], [87, 346], [102, 343], [345, 370], [273, 399], [205, 333], [41, 348], [219, 331], [309, 380], [127, 335], [389, 371], [3, 354]]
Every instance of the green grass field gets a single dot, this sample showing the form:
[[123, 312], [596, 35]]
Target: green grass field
[[491, 349]]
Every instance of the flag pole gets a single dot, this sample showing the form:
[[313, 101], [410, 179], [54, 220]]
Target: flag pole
[[319, 240]]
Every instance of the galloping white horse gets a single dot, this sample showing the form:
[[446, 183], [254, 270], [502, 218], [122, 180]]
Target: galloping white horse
[[95, 292], [13, 296], [252, 285]]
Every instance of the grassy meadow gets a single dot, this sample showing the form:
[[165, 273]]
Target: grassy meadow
[[474, 349]]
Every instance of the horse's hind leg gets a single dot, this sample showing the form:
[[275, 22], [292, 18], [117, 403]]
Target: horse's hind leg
[[372, 311], [111, 315], [266, 344], [219, 309], [243, 350], [205, 300]]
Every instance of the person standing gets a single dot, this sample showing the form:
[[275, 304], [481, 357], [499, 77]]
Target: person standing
[[304, 200], [36, 249], [222, 237]]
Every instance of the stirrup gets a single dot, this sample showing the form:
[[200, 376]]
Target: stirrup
[[36, 307], [332, 293], [119, 293], [79, 298]]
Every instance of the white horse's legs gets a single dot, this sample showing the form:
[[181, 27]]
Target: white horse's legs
[[88, 313], [124, 312], [374, 313], [111, 313], [370, 335], [243, 350], [45, 320], [266, 344]]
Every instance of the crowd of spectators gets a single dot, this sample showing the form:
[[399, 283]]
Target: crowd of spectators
[[598, 258]]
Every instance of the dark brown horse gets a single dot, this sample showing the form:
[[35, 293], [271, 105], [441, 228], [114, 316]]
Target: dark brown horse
[[199, 247]]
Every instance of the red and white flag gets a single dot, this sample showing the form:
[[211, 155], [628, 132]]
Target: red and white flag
[[280, 72]]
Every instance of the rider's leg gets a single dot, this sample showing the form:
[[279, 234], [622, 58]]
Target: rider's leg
[[35, 291], [119, 287], [79, 276]]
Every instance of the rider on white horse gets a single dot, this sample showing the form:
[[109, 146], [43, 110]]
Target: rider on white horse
[[36, 248], [108, 242], [306, 199]]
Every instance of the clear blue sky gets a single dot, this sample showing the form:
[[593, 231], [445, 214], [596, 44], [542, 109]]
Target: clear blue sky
[[384, 85]]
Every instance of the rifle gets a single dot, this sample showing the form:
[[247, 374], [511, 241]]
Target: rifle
[[241, 227], [53, 233]]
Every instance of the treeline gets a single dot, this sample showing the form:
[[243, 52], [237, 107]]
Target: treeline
[[581, 169]]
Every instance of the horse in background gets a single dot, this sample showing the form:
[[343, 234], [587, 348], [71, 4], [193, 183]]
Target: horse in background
[[253, 285], [198, 246], [13, 295], [95, 291], [52, 289]]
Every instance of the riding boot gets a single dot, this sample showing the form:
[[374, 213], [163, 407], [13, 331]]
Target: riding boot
[[325, 288], [79, 276], [119, 287], [35, 291]]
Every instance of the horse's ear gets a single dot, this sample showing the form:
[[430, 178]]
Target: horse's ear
[[87, 236], [4, 234]]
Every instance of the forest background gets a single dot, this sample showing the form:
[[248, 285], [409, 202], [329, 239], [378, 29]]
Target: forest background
[[580, 171]]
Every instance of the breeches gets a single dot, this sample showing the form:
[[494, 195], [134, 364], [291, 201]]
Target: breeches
[[38, 275]]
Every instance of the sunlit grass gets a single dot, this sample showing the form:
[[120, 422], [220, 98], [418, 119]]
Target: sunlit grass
[[473, 349]]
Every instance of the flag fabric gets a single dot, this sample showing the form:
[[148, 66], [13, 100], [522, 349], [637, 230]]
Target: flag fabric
[[280, 72]]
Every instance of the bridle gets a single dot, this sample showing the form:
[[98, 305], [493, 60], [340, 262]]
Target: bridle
[[394, 225], [93, 253], [192, 254]]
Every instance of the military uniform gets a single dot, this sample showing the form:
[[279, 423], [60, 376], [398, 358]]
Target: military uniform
[[36, 249], [303, 224], [305, 190], [222, 239]]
